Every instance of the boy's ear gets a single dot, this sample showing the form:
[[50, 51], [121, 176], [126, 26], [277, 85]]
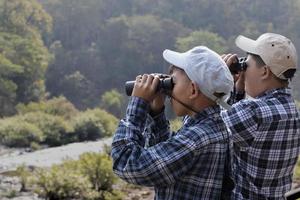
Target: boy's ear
[[194, 90], [266, 72]]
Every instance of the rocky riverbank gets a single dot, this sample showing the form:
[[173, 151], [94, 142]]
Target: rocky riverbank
[[11, 158]]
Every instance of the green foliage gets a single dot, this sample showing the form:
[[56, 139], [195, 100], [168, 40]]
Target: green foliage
[[7, 86], [205, 38], [176, 124], [90, 177], [87, 127], [24, 17], [297, 171], [97, 167], [11, 194], [111, 41], [122, 48], [139, 40], [17, 133], [35, 146], [94, 124], [75, 86], [23, 56], [107, 149], [108, 121], [55, 129], [58, 106], [57, 122], [112, 101], [62, 183], [33, 56], [24, 175], [99, 44]]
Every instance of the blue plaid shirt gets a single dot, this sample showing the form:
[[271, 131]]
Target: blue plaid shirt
[[266, 138], [186, 165]]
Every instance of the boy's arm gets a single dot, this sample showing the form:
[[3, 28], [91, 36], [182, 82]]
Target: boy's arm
[[160, 164], [157, 129]]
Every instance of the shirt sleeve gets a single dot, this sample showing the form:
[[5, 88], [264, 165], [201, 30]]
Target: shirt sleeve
[[161, 164], [157, 129], [242, 122], [235, 97]]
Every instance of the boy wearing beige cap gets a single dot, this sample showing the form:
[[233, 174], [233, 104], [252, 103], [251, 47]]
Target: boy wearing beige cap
[[188, 164], [265, 126]]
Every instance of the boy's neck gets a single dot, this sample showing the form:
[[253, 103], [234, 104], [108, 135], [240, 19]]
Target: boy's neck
[[273, 84], [201, 104]]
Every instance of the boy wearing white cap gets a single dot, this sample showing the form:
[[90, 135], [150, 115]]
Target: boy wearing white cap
[[265, 127], [188, 164]]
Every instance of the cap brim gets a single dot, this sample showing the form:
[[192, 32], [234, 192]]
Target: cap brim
[[246, 44], [175, 58]]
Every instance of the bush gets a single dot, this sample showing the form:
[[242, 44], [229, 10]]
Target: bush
[[108, 121], [90, 177], [35, 146], [176, 124], [62, 183], [297, 171], [98, 169], [57, 106], [62, 107], [112, 101], [24, 175], [56, 130], [17, 133], [87, 127]]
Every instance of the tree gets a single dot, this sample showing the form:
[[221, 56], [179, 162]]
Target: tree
[[7, 86], [127, 46], [111, 41], [134, 45], [79, 90], [26, 18], [205, 38], [23, 53]]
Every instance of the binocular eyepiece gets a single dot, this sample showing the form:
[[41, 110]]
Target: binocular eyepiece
[[166, 84], [239, 66]]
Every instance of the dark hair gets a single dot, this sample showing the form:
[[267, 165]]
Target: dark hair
[[259, 61], [288, 74]]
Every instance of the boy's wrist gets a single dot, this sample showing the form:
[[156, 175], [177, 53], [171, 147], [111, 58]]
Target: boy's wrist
[[156, 112]]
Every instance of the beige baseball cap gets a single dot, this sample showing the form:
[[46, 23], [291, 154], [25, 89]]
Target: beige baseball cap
[[277, 51]]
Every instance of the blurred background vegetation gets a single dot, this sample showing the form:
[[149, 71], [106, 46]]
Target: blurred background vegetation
[[63, 65], [86, 50]]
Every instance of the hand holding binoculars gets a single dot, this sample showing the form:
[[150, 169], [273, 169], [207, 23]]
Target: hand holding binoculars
[[238, 66], [165, 84]]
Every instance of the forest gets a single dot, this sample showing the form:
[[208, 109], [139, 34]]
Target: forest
[[63, 68], [86, 50]]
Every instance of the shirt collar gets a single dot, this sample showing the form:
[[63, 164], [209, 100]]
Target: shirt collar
[[204, 114], [277, 91]]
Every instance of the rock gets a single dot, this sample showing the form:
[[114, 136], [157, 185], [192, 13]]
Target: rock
[[50, 156]]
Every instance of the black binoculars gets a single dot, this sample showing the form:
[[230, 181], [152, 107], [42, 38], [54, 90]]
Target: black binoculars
[[239, 66], [166, 84]]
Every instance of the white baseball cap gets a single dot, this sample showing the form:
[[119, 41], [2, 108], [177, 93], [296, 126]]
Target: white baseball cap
[[206, 68], [277, 51]]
